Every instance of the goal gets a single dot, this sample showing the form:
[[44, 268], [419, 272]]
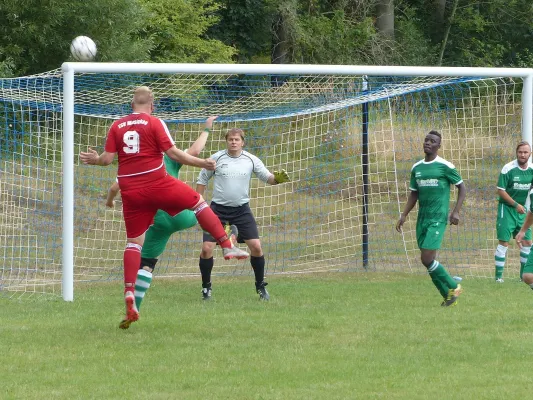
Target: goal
[[347, 135]]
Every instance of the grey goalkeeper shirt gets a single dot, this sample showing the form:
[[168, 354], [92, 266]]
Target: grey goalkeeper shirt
[[232, 177]]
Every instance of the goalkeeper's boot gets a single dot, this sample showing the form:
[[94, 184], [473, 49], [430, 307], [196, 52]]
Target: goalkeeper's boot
[[235, 252], [499, 280], [206, 291], [132, 314], [453, 295], [261, 291]]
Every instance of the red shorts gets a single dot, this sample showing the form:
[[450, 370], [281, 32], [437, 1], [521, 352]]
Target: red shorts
[[140, 205]]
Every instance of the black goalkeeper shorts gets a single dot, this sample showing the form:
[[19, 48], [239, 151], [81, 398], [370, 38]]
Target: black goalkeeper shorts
[[242, 217]]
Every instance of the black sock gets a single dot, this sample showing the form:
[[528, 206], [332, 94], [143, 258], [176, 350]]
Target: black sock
[[206, 266], [258, 265]]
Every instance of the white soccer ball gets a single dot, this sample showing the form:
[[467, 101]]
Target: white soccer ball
[[83, 48]]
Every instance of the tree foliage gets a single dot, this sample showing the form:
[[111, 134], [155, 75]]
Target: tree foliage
[[491, 33], [334, 38], [246, 25], [481, 33], [35, 34], [178, 29]]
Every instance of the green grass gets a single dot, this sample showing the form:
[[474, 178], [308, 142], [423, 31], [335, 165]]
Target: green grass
[[330, 336]]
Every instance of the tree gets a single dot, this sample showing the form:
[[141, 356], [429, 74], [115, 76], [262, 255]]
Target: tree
[[448, 25], [283, 32], [439, 20], [480, 33], [246, 25], [385, 18], [412, 44], [178, 29]]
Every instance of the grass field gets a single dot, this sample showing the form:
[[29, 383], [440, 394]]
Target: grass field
[[322, 336]]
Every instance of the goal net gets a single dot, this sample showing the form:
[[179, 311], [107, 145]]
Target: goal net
[[348, 142]]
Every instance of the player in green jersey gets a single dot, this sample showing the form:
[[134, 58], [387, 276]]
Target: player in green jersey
[[527, 270], [514, 184], [430, 186]]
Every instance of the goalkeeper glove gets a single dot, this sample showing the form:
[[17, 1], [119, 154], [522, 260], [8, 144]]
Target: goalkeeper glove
[[281, 176]]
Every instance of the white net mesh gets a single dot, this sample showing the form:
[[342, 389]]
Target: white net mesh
[[312, 126]]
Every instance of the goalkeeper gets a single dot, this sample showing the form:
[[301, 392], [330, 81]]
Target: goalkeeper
[[164, 225], [230, 202]]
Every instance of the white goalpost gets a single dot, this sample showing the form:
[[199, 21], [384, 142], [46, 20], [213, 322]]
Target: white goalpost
[[348, 136]]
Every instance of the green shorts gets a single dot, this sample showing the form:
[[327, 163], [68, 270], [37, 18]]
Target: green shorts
[[164, 226], [429, 234], [509, 222]]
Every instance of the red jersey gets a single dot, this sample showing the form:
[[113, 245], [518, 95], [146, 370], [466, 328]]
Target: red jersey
[[140, 140]]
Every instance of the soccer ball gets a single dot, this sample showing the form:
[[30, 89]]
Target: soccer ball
[[83, 48]]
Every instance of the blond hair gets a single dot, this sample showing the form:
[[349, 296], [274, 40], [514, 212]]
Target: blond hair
[[142, 96]]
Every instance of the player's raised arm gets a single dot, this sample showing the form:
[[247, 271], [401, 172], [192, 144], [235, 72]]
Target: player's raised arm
[[197, 147]]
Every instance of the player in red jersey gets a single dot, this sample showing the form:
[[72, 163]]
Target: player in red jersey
[[140, 139]]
